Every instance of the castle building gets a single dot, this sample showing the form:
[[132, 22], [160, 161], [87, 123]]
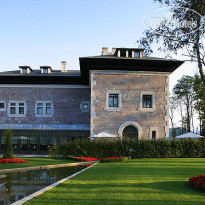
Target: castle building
[[121, 92]]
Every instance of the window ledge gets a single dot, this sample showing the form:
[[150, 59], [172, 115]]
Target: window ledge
[[44, 116], [112, 109], [147, 109], [16, 115]]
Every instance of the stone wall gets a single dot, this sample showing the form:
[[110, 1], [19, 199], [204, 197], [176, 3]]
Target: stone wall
[[130, 85], [66, 103]]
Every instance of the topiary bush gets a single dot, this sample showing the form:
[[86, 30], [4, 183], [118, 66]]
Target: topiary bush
[[9, 154]]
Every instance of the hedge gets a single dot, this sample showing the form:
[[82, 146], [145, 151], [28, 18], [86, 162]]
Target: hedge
[[134, 148]]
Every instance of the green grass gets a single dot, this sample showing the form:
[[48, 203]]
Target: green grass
[[32, 162], [140, 181]]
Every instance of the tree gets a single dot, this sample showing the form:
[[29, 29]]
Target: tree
[[184, 91], [176, 37], [172, 110], [199, 97], [9, 148]]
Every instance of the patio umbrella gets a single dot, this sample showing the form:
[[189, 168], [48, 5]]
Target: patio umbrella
[[189, 135], [103, 135]]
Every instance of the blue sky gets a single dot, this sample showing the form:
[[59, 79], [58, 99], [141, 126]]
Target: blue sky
[[45, 32]]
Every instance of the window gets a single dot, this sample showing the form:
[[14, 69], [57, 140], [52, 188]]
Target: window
[[147, 101], [48, 108], [85, 106], [137, 54], [45, 70], [44, 109], [130, 53], [24, 70], [154, 135], [122, 53], [2, 105], [113, 100], [17, 109]]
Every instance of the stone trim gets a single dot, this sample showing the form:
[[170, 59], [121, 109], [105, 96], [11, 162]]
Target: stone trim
[[153, 129], [92, 106], [167, 108], [132, 123], [3, 109], [119, 101], [44, 109], [17, 109], [120, 72], [153, 102], [83, 109]]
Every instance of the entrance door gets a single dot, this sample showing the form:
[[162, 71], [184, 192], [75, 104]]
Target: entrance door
[[130, 132], [43, 143], [23, 142], [34, 143]]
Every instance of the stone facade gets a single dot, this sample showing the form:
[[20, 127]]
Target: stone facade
[[66, 104], [130, 86]]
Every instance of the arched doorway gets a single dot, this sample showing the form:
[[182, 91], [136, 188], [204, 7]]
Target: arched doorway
[[132, 124], [130, 132]]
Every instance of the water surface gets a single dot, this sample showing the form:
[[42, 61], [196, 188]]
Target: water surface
[[17, 185]]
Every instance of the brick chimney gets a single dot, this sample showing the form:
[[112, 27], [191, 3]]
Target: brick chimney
[[64, 64], [104, 50]]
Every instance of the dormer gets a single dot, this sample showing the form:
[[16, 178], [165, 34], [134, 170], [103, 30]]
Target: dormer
[[46, 69], [25, 69], [129, 52]]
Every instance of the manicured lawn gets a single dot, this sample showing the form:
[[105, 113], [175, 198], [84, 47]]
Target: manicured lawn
[[35, 162], [140, 181]]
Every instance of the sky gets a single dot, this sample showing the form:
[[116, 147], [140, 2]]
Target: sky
[[45, 32]]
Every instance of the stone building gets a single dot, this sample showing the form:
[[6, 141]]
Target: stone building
[[121, 92]]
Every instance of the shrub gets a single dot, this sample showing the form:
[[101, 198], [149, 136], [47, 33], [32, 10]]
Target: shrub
[[9, 148], [115, 159], [133, 148], [54, 152], [198, 182]]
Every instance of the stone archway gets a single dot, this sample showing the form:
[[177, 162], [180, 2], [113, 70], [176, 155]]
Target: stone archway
[[130, 123]]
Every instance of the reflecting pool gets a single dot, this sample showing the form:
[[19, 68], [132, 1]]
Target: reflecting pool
[[17, 185]]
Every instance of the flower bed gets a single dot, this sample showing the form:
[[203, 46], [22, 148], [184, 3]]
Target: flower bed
[[109, 159], [198, 182], [13, 161]]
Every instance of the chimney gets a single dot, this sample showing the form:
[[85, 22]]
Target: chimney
[[64, 63], [114, 50], [104, 50]]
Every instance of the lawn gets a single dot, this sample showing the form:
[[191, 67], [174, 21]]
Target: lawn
[[32, 162], [139, 181]]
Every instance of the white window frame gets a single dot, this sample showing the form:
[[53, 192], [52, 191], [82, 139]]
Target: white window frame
[[84, 109], [152, 109], [44, 109], [4, 102], [17, 109], [117, 92]]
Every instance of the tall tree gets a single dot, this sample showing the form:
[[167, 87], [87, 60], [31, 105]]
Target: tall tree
[[184, 91], [9, 148], [172, 110], [177, 37], [199, 97]]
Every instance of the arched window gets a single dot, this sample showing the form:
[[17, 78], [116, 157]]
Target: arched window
[[130, 132]]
